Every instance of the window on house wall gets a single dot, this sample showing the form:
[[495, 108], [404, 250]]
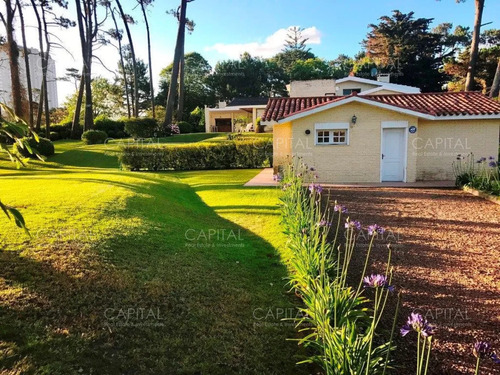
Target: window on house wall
[[332, 134], [350, 91]]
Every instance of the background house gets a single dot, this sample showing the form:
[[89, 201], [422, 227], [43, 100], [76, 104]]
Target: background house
[[240, 114], [36, 75]]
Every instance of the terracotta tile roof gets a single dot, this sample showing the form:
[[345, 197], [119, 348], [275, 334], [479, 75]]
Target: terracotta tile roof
[[438, 105]]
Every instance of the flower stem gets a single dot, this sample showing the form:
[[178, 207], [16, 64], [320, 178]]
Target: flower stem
[[428, 355], [477, 366]]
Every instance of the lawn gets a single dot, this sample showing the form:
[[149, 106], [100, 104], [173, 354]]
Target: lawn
[[141, 273]]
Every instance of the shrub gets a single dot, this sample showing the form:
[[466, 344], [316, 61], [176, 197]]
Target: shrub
[[54, 136], [185, 127], [141, 127], [92, 137], [63, 131], [224, 155], [113, 128], [43, 147]]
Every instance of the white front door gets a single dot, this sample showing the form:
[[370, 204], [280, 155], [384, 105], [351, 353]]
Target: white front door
[[393, 154]]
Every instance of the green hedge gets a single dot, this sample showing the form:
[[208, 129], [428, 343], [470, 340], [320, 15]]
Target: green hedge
[[224, 155], [141, 127], [113, 128], [92, 137]]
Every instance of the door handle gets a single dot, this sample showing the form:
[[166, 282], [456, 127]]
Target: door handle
[[383, 156]]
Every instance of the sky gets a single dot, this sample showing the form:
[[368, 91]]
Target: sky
[[226, 28]]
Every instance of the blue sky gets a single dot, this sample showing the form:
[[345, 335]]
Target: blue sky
[[226, 28]]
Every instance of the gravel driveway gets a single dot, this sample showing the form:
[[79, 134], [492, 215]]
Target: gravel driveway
[[446, 247]]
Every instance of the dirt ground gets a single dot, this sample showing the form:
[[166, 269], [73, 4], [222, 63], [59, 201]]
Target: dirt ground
[[446, 247]]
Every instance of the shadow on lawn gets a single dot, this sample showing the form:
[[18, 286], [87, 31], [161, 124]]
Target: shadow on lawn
[[432, 254], [150, 301]]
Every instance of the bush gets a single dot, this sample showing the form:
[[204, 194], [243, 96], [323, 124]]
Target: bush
[[141, 127], [185, 127], [113, 128], [224, 155], [44, 147], [92, 137], [54, 136], [63, 131]]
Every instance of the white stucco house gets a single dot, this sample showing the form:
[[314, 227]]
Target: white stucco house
[[35, 74]]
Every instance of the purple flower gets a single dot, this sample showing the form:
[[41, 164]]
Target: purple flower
[[481, 160], [377, 281], [340, 208], [375, 229], [353, 224], [312, 169], [493, 164], [482, 349], [315, 188], [418, 324], [491, 158], [277, 177], [324, 223]]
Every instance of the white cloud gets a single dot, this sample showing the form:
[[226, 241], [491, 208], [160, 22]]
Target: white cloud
[[272, 45]]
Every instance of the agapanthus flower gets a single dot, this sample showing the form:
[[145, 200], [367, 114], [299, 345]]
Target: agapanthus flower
[[417, 323], [353, 224], [482, 349], [460, 157], [286, 186], [324, 223], [340, 208], [481, 160], [312, 169], [493, 164], [277, 177], [375, 229], [315, 188], [491, 158], [377, 281]]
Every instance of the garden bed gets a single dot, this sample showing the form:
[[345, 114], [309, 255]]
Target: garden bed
[[445, 255]]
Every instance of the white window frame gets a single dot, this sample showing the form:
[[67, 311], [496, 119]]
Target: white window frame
[[331, 126]]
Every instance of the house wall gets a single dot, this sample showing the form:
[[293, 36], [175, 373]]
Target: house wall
[[282, 143], [316, 87], [358, 162], [439, 142], [385, 92], [210, 117], [354, 85]]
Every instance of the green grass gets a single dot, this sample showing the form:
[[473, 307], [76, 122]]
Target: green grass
[[107, 241]]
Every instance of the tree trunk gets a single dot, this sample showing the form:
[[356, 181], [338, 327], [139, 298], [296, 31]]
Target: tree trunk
[[75, 125], [474, 49], [120, 50], [27, 66], [45, 65], [134, 62], [180, 99], [42, 57], [13, 51], [150, 62], [495, 87], [172, 90]]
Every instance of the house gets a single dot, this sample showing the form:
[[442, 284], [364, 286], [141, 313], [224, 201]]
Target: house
[[35, 75], [376, 138], [348, 85], [240, 114]]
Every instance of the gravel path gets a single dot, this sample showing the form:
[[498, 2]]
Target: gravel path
[[446, 247]]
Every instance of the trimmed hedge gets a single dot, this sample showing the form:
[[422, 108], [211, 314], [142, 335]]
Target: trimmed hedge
[[113, 128], [92, 137], [141, 127], [185, 127], [44, 147], [224, 155]]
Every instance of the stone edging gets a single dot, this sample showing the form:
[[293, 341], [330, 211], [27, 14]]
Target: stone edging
[[482, 194]]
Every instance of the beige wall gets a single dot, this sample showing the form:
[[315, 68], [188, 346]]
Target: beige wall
[[360, 160], [282, 143], [385, 92], [439, 142], [316, 87], [354, 85], [210, 117]]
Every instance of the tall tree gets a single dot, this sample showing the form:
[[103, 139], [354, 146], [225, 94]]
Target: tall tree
[[117, 34], [27, 64], [13, 53], [474, 48], [127, 19], [294, 49], [144, 4], [178, 55], [88, 27]]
